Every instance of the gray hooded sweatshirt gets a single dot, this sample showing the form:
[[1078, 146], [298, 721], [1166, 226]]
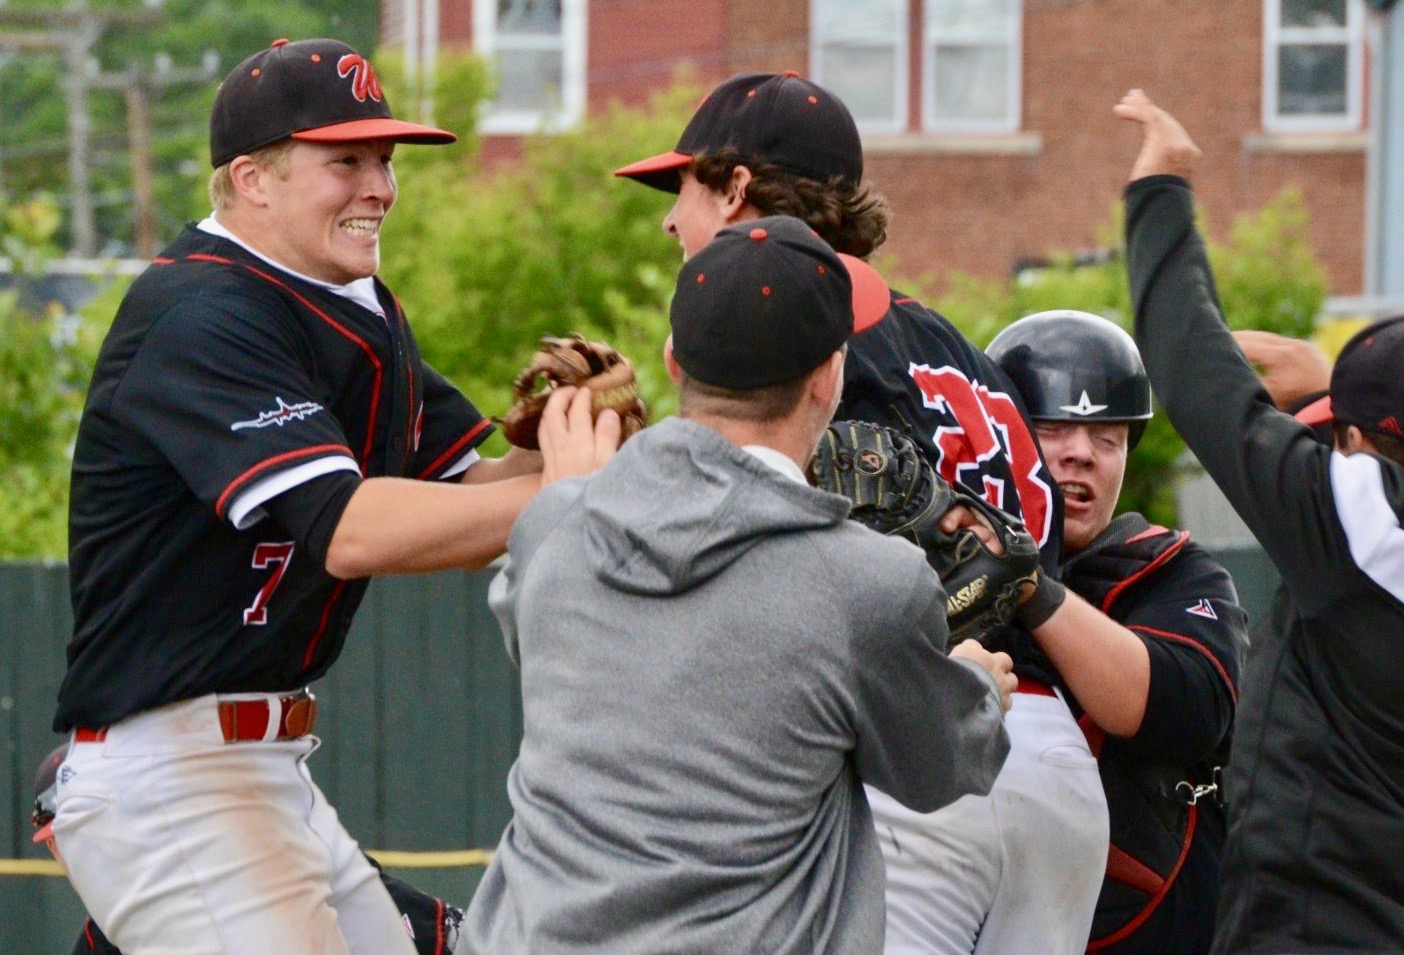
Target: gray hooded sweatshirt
[[713, 659]]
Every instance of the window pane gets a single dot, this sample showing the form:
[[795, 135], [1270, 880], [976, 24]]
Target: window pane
[[860, 19], [1313, 13], [529, 16], [968, 16], [864, 78], [1311, 79], [528, 80], [972, 82]]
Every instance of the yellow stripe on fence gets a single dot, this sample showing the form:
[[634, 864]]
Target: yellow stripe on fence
[[457, 859], [30, 867], [395, 859]]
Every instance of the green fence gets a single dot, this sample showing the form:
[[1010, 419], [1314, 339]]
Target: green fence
[[420, 721]]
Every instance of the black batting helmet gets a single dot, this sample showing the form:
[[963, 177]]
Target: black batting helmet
[[1075, 366]]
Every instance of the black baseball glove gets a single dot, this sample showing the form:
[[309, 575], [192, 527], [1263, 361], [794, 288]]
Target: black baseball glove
[[895, 491]]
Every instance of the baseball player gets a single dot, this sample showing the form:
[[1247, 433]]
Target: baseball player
[[713, 657], [1150, 640], [1316, 779], [765, 143], [431, 923], [260, 436]]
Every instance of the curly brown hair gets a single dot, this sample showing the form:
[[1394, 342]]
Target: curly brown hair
[[851, 218]]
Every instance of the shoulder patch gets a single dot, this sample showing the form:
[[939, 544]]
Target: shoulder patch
[[280, 415], [1203, 609]]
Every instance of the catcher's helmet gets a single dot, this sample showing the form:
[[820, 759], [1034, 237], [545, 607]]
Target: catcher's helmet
[[1075, 366]]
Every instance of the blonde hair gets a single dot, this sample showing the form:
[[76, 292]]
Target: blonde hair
[[221, 188]]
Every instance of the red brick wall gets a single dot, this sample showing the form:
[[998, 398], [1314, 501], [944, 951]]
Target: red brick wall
[[981, 213], [636, 46]]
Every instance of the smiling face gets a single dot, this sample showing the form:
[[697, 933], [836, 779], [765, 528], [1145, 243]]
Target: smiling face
[[1089, 462], [698, 214], [323, 215]]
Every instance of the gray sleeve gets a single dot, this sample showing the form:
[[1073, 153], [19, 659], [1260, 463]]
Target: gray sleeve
[[531, 528], [930, 729]]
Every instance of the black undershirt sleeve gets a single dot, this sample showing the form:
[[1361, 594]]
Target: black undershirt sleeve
[[311, 510]]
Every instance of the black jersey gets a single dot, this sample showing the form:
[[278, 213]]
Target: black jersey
[[1162, 875], [220, 371], [1316, 775], [915, 372]]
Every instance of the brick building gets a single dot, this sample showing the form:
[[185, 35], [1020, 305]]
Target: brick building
[[986, 122]]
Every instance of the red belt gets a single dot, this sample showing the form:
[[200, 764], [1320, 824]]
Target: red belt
[[246, 721], [1034, 687]]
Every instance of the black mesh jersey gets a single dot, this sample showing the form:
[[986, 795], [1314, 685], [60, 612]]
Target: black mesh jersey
[[219, 371], [914, 371]]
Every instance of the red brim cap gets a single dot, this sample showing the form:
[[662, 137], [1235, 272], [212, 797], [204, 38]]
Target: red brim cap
[[871, 297], [44, 832], [663, 171], [378, 128], [1317, 413]]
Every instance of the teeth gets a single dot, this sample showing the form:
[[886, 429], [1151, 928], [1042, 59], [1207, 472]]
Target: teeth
[[1077, 492], [362, 227]]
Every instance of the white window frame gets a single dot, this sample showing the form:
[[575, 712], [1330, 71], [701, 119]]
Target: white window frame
[[897, 122], [573, 44], [1352, 35], [1011, 34]]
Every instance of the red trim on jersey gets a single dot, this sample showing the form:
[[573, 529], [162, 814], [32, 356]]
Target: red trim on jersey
[[905, 301], [357, 340], [457, 446], [88, 933], [322, 626], [1125, 868], [1155, 530], [1098, 944], [270, 462], [439, 927], [162, 260], [1154, 565], [1191, 642], [1095, 735]]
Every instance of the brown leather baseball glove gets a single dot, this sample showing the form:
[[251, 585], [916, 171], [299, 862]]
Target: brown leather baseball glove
[[573, 361]]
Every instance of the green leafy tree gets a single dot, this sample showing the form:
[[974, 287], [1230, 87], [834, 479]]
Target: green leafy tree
[[46, 359], [489, 260], [186, 33]]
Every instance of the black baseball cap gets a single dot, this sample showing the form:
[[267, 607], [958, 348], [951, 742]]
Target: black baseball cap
[[767, 301], [314, 90], [1367, 389], [778, 118]]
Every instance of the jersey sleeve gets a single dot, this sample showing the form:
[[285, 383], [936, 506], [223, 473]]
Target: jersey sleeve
[[1197, 636], [222, 386], [1269, 466], [449, 427]]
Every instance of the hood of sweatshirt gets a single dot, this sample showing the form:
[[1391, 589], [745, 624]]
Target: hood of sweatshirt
[[679, 503]]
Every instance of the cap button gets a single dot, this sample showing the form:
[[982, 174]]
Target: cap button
[[758, 234], [282, 41], [790, 73]]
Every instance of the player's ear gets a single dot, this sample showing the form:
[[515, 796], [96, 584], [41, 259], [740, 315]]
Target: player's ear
[[671, 363], [1356, 440], [826, 384], [247, 177], [733, 196]]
